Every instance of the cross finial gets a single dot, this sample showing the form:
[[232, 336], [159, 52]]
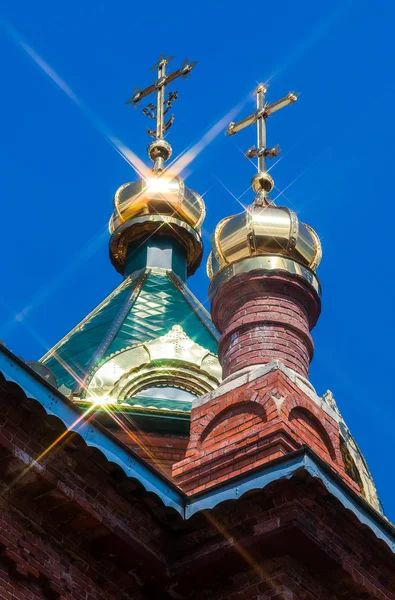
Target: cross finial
[[159, 150], [262, 182]]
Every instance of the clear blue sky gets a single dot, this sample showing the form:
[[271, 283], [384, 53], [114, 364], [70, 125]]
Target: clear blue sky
[[58, 172]]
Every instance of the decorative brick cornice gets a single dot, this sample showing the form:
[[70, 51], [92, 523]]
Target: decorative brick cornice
[[249, 374], [253, 424]]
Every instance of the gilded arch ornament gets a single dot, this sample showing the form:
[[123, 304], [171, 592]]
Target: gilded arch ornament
[[172, 360]]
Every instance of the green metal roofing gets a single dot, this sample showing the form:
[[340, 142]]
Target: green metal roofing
[[140, 309]]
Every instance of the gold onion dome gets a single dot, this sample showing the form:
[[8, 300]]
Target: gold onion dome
[[266, 230], [158, 204], [264, 236]]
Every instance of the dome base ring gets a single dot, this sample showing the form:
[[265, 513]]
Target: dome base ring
[[144, 226], [265, 263]]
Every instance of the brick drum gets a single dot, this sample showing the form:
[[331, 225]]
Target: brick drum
[[265, 316]]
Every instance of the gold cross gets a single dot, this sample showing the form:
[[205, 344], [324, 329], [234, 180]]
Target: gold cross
[[263, 111], [163, 105]]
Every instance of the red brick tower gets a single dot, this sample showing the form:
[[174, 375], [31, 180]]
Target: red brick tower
[[265, 299]]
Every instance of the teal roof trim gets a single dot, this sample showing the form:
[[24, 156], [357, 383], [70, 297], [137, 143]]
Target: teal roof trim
[[70, 357], [161, 404]]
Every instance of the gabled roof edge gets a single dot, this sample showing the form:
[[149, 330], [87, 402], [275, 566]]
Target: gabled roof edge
[[194, 304], [113, 330], [286, 467], [52, 351], [93, 433]]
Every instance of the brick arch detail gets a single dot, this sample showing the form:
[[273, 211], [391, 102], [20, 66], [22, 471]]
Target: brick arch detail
[[248, 407], [301, 401], [312, 421], [220, 414]]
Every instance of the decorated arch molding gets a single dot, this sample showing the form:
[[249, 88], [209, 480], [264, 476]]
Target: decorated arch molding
[[354, 458], [172, 360]]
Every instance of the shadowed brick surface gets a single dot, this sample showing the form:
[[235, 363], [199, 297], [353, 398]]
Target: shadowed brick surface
[[159, 450]]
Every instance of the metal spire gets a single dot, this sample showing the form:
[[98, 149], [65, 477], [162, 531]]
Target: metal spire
[[262, 182], [159, 150]]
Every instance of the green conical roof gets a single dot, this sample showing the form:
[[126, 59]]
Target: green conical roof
[[142, 308]]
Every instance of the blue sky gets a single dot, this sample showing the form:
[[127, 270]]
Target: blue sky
[[59, 171]]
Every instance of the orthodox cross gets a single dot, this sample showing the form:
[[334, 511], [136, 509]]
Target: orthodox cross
[[160, 150], [263, 111]]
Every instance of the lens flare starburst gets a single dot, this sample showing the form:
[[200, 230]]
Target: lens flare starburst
[[123, 150]]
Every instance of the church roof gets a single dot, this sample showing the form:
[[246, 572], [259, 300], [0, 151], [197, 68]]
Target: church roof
[[144, 307], [19, 381]]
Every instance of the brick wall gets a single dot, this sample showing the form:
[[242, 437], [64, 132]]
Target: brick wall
[[289, 541], [159, 450], [73, 526], [34, 565]]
